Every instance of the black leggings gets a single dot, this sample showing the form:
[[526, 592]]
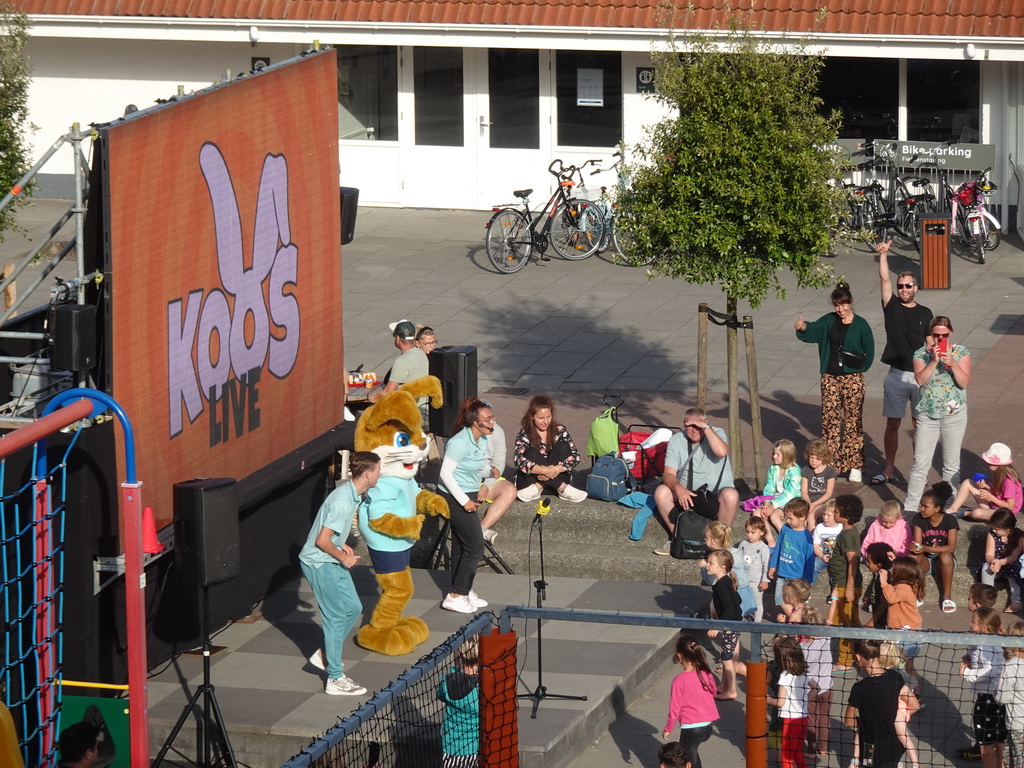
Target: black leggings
[[558, 453], [467, 545], [691, 738]]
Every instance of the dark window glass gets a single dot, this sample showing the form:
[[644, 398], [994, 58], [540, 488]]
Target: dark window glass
[[866, 92], [437, 86], [368, 92], [943, 101], [514, 88], [589, 126]]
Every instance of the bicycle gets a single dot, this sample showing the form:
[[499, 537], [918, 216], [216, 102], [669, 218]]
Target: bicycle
[[573, 226], [978, 229]]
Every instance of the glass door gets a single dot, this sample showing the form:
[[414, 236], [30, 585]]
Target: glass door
[[513, 149]]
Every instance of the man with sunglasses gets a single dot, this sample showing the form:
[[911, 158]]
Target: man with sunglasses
[[906, 326], [698, 456]]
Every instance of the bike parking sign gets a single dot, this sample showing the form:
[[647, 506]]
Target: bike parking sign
[[949, 156]]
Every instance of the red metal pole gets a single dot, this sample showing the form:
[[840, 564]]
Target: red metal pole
[[37, 430], [135, 608], [44, 612]]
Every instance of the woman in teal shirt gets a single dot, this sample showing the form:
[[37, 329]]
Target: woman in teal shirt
[[846, 349], [465, 455]]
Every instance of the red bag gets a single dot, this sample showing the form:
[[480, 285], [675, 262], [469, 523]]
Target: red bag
[[650, 462]]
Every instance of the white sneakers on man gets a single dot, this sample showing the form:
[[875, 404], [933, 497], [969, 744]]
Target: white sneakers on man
[[343, 686], [569, 493], [490, 535], [476, 601]]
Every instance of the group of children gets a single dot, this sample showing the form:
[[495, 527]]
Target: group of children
[[802, 531]]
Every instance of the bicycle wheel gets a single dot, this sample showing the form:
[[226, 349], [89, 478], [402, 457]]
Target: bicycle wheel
[[508, 240], [577, 229], [993, 240], [622, 242]]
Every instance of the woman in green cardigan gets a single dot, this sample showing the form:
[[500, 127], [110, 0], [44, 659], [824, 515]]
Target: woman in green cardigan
[[846, 349]]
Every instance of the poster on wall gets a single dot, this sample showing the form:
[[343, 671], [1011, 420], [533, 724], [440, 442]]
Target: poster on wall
[[589, 87], [224, 261]]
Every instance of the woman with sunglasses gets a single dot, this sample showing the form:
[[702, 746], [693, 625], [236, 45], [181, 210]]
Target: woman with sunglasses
[[942, 369]]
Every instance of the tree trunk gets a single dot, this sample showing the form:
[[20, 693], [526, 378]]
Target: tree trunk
[[735, 442]]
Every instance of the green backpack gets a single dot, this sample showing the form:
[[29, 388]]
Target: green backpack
[[604, 434]]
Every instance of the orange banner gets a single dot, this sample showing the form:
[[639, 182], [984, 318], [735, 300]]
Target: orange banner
[[224, 261]]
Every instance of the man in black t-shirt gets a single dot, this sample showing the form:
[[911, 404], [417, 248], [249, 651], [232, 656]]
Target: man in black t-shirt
[[906, 325]]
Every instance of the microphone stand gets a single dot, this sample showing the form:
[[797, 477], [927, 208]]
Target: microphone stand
[[541, 692]]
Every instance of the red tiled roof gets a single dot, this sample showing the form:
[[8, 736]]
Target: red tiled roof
[[958, 18]]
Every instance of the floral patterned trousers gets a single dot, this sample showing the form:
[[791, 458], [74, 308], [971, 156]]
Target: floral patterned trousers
[[842, 419]]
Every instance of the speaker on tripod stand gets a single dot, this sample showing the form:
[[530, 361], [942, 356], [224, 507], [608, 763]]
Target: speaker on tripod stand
[[206, 552]]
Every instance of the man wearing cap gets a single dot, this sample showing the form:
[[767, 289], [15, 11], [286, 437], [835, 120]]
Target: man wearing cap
[[411, 363], [906, 325]]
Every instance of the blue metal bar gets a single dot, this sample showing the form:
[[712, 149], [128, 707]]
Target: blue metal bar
[[96, 397], [752, 628]]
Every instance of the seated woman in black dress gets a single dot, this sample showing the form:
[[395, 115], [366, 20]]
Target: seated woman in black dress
[[545, 455]]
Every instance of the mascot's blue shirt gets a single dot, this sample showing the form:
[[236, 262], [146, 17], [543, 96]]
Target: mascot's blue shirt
[[396, 495]]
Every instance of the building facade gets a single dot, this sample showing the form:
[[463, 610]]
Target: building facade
[[453, 105]]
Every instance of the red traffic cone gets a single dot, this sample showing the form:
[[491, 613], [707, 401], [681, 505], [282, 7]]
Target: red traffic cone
[[150, 543]]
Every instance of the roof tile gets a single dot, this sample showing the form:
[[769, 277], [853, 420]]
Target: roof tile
[[960, 18]]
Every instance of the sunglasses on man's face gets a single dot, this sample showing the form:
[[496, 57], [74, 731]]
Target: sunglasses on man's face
[[904, 286]]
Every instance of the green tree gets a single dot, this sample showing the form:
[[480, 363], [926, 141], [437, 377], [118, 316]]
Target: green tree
[[14, 82], [734, 189]]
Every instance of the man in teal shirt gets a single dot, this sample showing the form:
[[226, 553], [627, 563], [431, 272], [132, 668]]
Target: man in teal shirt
[[325, 560]]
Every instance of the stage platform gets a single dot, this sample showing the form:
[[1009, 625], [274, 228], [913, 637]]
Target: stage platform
[[273, 703]]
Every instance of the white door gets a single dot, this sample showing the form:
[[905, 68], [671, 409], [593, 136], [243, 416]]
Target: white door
[[514, 126], [475, 125]]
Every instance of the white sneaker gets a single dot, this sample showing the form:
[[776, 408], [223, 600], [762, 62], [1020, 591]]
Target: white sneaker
[[570, 493], [458, 603], [476, 601], [529, 493], [856, 476], [317, 659], [666, 550], [344, 686], [490, 535]]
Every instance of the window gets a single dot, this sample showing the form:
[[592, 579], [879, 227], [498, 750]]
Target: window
[[514, 88], [368, 92], [943, 101], [589, 91], [437, 86], [866, 92]]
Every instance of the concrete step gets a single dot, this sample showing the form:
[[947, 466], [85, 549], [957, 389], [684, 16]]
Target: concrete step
[[591, 540]]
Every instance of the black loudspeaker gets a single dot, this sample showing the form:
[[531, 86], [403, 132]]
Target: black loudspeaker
[[456, 368], [206, 541], [349, 208], [74, 337]]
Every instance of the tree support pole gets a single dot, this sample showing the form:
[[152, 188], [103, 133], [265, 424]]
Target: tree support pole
[[755, 398]]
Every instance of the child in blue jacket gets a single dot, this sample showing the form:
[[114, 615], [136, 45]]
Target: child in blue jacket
[[793, 554]]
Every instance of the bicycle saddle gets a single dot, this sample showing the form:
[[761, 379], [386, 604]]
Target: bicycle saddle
[[523, 193]]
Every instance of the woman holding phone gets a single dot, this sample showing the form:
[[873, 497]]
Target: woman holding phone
[[942, 369]]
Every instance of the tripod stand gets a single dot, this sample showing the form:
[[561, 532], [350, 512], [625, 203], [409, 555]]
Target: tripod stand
[[541, 692], [212, 732]]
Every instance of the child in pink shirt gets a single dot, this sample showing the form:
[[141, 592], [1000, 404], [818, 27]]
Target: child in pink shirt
[[692, 701], [889, 528]]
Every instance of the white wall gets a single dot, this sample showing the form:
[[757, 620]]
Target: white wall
[[91, 81]]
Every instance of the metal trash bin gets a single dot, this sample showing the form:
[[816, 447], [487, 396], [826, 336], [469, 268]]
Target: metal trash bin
[[935, 263]]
